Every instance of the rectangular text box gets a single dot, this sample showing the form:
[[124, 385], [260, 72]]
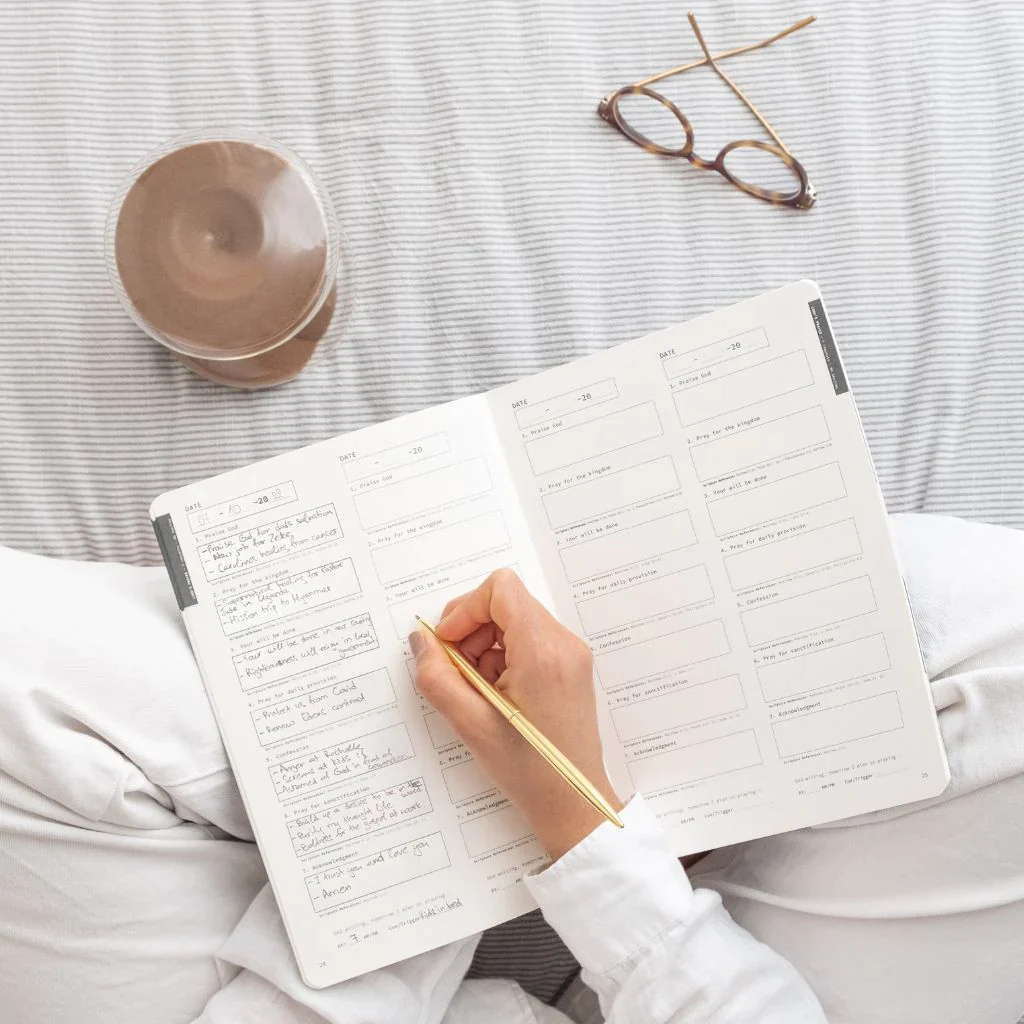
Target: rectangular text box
[[249, 504], [385, 869], [645, 600], [423, 492], [858, 720], [283, 659], [565, 404], [612, 491], [822, 607], [647, 658], [328, 827], [440, 732], [743, 388], [341, 762], [696, 762], [599, 436], [625, 547], [721, 351], [299, 593], [465, 781], [681, 707], [327, 705], [825, 667], [407, 454], [261, 544], [493, 831], [430, 603], [808, 550], [441, 547], [744, 449], [795, 493]]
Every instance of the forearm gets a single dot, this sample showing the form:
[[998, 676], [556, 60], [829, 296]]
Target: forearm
[[651, 947]]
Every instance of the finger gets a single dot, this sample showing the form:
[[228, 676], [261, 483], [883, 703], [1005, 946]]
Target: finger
[[442, 685], [492, 664], [453, 603], [480, 640], [501, 599]]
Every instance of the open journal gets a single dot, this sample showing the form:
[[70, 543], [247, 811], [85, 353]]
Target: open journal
[[699, 504]]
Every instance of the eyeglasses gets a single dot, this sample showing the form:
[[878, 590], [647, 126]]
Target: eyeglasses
[[733, 159]]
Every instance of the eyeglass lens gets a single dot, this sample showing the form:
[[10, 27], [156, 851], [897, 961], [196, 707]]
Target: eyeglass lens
[[763, 168], [651, 120]]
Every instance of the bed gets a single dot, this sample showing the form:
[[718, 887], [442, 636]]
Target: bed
[[495, 226]]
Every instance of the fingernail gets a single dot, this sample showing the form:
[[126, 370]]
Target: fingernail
[[416, 642]]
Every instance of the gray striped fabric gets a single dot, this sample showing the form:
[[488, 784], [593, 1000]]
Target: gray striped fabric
[[495, 226]]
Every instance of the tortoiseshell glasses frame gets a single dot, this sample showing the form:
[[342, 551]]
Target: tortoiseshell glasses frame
[[801, 198]]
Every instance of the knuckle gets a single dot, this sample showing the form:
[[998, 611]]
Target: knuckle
[[505, 578]]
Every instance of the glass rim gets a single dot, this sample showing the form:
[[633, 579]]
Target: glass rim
[[638, 137], [334, 266], [802, 197], [790, 162]]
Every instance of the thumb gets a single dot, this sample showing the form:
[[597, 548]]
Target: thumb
[[442, 685]]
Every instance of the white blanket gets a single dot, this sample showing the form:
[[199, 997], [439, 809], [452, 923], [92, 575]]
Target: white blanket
[[129, 890]]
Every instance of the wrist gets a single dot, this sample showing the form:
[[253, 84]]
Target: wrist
[[562, 824]]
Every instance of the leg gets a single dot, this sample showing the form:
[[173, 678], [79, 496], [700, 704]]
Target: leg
[[916, 913], [121, 873]]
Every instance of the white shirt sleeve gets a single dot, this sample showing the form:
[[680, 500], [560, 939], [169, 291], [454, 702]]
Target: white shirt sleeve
[[652, 948]]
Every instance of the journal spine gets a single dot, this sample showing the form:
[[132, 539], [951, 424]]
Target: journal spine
[[828, 347], [181, 581]]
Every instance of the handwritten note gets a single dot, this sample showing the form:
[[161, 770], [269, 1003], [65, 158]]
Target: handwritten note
[[299, 593], [328, 827], [341, 762], [286, 658], [326, 705], [263, 544], [389, 867]]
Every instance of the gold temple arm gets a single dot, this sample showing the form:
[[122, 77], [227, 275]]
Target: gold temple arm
[[709, 59]]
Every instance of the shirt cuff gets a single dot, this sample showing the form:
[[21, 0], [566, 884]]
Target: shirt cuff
[[615, 891]]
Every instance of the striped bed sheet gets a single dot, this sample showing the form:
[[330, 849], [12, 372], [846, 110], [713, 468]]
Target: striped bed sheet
[[495, 226]]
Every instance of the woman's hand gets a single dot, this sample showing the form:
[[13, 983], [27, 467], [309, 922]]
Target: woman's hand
[[548, 672]]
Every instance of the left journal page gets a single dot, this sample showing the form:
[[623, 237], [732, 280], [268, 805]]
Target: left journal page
[[299, 579]]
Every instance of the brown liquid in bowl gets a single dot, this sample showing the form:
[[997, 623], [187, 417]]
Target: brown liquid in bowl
[[222, 249]]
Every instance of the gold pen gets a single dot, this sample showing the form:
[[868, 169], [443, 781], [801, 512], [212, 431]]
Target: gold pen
[[527, 729]]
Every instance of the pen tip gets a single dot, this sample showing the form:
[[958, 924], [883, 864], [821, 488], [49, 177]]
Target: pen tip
[[418, 619]]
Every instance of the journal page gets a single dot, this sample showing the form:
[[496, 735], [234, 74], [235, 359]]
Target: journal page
[[707, 515], [300, 579]]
